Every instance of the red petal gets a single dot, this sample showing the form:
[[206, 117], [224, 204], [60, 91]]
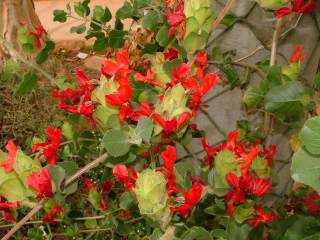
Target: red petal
[[169, 157], [283, 12]]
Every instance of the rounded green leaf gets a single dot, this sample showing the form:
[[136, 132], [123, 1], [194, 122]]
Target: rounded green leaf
[[310, 135], [115, 141], [305, 169]]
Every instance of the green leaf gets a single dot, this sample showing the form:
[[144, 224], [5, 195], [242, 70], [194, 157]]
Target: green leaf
[[305, 169], [141, 3], [198, 233], [302, 228], [82, 8], [220, 234], [115, 141], [101, 44], [244, 211], [58, 175], [126, 200], [25, 40], [28, 84], [78, 29], [116, 38], [310, 135], [9, 70], [101, 15], [156, 234], [151, 20], [144, 129], [118, 25], [317, 81], [59, 16], [253, 96], [162, 36], [237, 231], [35, 234], [126, 11], [229, 20], [42, 56], [91, 223], [70, 168], [287, 100]]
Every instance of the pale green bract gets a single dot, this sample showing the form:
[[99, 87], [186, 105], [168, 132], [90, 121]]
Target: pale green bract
[[152, 196]]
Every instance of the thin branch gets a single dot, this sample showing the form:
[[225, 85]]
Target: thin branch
[[28, 62], [257, 49], [273, 58], [222, 14], [38, 207]]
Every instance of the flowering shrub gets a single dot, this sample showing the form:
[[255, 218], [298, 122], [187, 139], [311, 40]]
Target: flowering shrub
[[136, 115]]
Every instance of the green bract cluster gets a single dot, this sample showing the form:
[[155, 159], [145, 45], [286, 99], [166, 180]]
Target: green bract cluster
[[199, 19]]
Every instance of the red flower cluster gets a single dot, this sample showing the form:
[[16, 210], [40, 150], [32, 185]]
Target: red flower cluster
[[248, 184], [298, 6], [37, 36], [5, 207], [239, 149], [50, 148], [313, 203], [121, 173], [190, 197], [176, 18], [12, 154], [51, 217], [261, 216], [105, 189], [41, 183], [80, 99], [199, 88], [243, 186]]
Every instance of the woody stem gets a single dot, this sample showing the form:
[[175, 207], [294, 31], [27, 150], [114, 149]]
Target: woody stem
[[273, 57]]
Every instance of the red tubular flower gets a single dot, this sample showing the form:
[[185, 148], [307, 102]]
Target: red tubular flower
[[179, 74], [121, 173], [6, 209], [148, 78], [145, 110], [52, 216], [261, 216], [50, 148], [119, 68], [201, 62], [312, 202], [123, 94], [37, 36], [125, 112], [41, 183], [12, 154], [124, 214], [297, 55], [80, 99], [298, 6], [173, 124], [210, 152], [170, 54], [177, 20], [89, 184], [269, 153], [169, 156], [191, 198], [254, 151]]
